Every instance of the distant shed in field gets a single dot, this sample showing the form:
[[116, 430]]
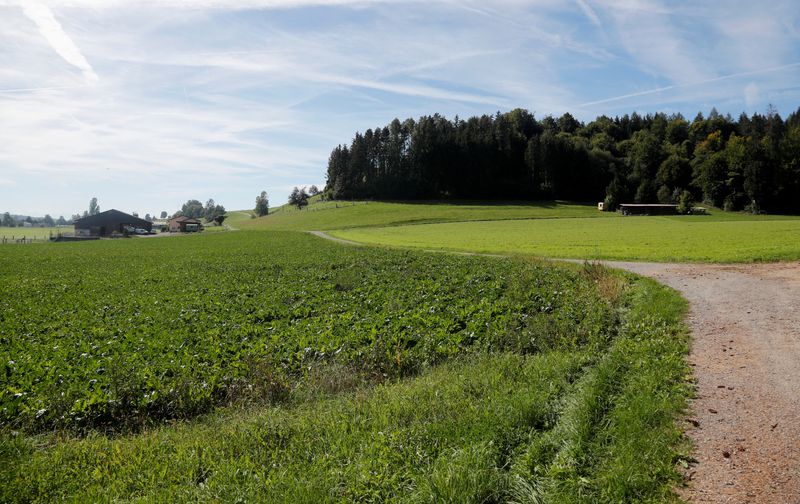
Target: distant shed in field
[[108, 222], [647, 209]]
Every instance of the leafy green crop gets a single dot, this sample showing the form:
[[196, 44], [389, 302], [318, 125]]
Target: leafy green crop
[[114, 334]]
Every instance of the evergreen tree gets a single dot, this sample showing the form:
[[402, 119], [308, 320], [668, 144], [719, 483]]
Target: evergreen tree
[[750, 162]]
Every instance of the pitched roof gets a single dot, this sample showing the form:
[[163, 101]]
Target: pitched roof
[[183, 218], [110, 214]]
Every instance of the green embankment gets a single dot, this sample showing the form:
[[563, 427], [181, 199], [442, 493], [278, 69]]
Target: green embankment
[[548, 229], [320, 216], [307, 371]]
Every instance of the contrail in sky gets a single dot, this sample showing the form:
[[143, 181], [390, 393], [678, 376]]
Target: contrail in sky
[[690, 84], [52, 31]]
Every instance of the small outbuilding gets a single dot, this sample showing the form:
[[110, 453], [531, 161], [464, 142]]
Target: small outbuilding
[[184, 224], [109, 222], [647, 209]]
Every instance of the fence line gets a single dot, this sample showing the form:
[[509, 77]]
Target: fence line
[[23, 239]]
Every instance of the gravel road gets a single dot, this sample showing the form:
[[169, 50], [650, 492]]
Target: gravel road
[[745, 420]]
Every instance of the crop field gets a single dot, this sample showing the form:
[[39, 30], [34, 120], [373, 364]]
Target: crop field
[[91, 346], [278, 366], [715, 238]]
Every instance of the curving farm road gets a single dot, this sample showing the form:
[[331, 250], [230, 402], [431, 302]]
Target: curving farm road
[[745, 423], [745, 420]]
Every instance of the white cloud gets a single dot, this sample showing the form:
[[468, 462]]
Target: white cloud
[[589, 13], [751, 90], [645, 29], [207, 99], [51, 30], [202, 4]]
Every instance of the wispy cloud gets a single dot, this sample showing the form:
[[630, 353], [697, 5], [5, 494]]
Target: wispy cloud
[[51, 30], [648, 32], [589, 12], [215, 98], [693, 84], [205, 4]]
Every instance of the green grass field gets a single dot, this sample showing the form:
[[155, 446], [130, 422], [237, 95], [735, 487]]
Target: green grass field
[[356, 214], [277, 366], [547, 229], [716, 238], [32, 232], [270, 365]]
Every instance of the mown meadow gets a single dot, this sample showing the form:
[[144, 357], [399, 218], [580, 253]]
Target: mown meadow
[[277, 366], [327, 215], [719, 237], [547, 229]]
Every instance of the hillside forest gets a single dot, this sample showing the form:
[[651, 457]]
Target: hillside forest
[[751, 163]]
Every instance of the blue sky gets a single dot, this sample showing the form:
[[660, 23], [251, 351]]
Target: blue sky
[[147, 103]]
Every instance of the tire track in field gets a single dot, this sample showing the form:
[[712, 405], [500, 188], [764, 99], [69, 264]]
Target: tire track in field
[[745, 353]]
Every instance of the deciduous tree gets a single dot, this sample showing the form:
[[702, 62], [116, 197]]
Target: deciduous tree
[[262, 204], [298, 198]]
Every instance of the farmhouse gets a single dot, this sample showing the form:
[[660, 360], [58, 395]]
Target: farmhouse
[[184, 224], [647, 209], [108, 222]]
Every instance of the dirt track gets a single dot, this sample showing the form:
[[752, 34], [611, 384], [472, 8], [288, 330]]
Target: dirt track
[[745, 421]]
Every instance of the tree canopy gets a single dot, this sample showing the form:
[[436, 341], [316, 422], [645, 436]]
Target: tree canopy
[[298, 197], [750, 163], [212, 210], [262, 204]]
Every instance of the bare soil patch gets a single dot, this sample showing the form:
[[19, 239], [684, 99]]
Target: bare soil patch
[[745, 420]]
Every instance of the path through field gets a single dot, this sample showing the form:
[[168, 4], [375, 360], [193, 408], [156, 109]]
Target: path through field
[[745, 420]]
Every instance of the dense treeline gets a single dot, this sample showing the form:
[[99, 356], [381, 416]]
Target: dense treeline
[[752, 163]]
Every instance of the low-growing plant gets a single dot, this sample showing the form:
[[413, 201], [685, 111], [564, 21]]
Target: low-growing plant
[[123, 335]]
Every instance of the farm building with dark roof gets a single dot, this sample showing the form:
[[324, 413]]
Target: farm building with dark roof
[[108, 222]]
